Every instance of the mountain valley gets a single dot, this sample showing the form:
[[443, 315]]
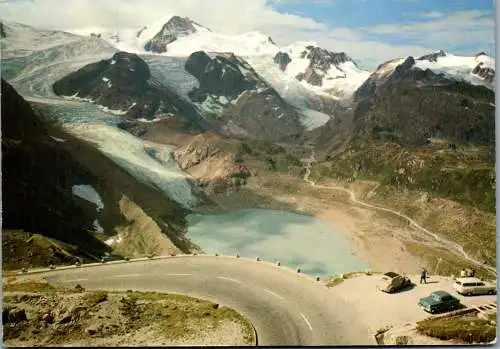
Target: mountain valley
[[177, 120]]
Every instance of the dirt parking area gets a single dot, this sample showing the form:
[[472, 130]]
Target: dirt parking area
[[381, 309]]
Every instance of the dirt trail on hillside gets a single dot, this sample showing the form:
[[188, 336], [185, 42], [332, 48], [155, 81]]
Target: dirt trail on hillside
[[450, 245]]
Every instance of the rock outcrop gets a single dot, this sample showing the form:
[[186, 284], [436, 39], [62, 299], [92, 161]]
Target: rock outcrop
[[176, 27], [33, 187], [124, 84], [282, 59], [320, 62], [220, 76], [238, 101], [411, 105]]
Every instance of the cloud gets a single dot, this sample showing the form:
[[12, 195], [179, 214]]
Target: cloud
[[456, 32], [432, 14], [234, 17], [220, 15], [458, 21]]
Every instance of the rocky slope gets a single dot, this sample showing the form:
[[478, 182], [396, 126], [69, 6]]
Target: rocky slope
[[36, 197], [2, 31], [333, 73], [219, 164], [46, 194], [419, 129], [231, 98], [427, 137], [236, 99], [410, 106], [124, 85], [38, 314], [175, 28]]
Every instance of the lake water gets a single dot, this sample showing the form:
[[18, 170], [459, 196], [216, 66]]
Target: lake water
[[295, 240]]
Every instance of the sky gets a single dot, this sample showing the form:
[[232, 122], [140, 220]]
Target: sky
[[370, 31]]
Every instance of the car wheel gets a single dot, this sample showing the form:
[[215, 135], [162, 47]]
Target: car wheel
[[469, 294], [491, 292]]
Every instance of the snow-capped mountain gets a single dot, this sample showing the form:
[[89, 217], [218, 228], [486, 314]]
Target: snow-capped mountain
[[321, 70], [476, 70], [179, 37], [21, 40], [177, 27]]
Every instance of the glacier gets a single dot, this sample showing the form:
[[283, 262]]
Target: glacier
[[32, 72], [87, 192], [290, 89]]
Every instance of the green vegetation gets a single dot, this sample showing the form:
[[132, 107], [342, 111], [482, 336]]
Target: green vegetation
[[66, 316], [96, 297], [29, 287], [448, 191], [441, 261], [338, 279], [174, 313], [286, 186], [334, 281], [467, 329], [21, 249], [275, 156], [465, 175]]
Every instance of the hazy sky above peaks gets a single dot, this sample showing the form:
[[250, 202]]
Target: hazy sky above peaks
[[370, 31]]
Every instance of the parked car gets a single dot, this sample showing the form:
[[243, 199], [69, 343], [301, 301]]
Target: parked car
[[473, 286], [392, 282], [439, 301]]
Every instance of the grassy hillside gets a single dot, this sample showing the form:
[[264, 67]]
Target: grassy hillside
[[448, 191], [464, 174]]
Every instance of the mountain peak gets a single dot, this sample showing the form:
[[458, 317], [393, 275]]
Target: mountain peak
[[482, 53], [433, 57], [175, 28]]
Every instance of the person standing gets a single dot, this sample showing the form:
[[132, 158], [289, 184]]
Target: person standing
[[423, 276]]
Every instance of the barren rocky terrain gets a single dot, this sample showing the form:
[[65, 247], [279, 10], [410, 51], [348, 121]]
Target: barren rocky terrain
[[37, 314]]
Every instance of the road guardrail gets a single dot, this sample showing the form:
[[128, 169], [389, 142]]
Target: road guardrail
[[150, 257]]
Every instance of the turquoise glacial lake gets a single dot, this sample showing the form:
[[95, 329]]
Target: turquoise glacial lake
[[297, 241]]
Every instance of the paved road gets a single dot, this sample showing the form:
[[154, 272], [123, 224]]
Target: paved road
[[285, 308]]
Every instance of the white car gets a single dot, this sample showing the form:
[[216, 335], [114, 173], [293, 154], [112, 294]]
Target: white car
[[391, 282], [473, 286]]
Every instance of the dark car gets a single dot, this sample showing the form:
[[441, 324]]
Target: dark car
[[392, 282], [439, 301]]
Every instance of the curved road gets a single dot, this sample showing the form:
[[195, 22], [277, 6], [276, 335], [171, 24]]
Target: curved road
[[286, 308]]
